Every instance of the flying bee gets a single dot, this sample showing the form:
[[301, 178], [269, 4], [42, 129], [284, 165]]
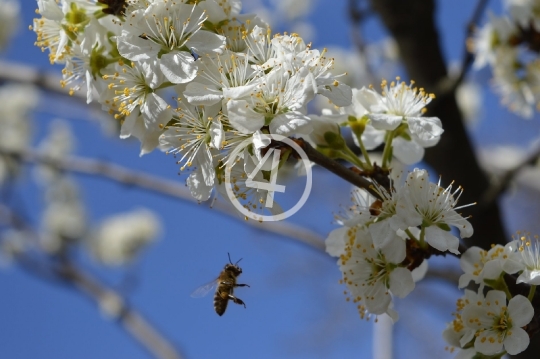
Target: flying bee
[[224, 284]]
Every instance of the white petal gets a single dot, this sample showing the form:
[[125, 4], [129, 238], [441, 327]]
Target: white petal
[[371, 137], [260, 140], [50, 10], [136, 49], [442, 240], [407, 152], [206, 42], [290, 123], [205, 165], [420, 272], [201, 94], [217, 134], [235, 93], [335, 243], [377, 298], [464, 280], [381, 233], [401, 282], [530, 277], [128, 125], [492, 269], [155, 112], [520, 310], [426, 131], [199, 190], [517, 342], [178, 67], [243, 118], [340, 95], [385, 122], [367, 98], [395, 250], [483, 344]]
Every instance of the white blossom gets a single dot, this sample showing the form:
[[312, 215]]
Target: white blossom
[[529, 253], [122, 237], [9, 19], [372, 275], [169, 32], [278, 101], [496, 325], [434, 208]]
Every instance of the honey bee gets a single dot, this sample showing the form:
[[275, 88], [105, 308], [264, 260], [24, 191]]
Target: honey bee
[[224, 284]]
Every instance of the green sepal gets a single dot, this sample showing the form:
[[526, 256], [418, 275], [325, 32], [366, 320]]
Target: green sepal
[[444, 227], [334, 140]]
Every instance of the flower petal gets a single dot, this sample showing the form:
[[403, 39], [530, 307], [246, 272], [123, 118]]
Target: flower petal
[[178, 67]]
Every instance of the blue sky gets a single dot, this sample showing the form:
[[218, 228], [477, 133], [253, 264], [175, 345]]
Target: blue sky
[[295, 306]]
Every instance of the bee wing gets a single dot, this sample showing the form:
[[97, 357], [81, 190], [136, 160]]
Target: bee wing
[[204, 289]]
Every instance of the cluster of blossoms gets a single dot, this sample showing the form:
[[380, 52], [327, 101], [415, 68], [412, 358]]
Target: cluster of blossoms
[[378, 237], [200, 80], [510, 45], [491, 321]]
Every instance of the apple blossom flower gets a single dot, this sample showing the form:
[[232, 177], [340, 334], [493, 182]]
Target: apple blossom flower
[[9, 19], [278, 101], [195, 134], [131, 91], [372, 275], [479, 264], [434, 208], [216, 73], [496, 325], [121, 237], [168, 32], [526, 259], [455, 330]]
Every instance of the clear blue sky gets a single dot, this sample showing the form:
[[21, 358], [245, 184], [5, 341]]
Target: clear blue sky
[[295, 306]]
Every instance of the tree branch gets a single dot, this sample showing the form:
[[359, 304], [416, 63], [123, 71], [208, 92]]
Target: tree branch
[[337, 168], [62, 271], [113, 304], [449, 85], [154, 184]]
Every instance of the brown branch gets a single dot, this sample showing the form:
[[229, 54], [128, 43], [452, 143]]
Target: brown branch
[[130, 319], [11, 72], [157, 185], [357, 16], [449, 85], [337, 168], [61, 271]]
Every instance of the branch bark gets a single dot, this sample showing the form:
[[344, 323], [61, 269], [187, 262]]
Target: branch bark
[[157, 185]]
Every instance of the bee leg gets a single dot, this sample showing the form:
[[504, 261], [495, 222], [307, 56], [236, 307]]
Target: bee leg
[[237, 300], [242, 285]]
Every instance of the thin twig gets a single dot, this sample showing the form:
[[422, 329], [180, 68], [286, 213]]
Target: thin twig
[[337, 168], [449, 85], [63, 272], [356, 17], [159, 186], [11, 72], [494, 191], [133, 321]]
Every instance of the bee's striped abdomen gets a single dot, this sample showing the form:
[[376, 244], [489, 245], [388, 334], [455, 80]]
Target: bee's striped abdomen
[[221, 299]]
